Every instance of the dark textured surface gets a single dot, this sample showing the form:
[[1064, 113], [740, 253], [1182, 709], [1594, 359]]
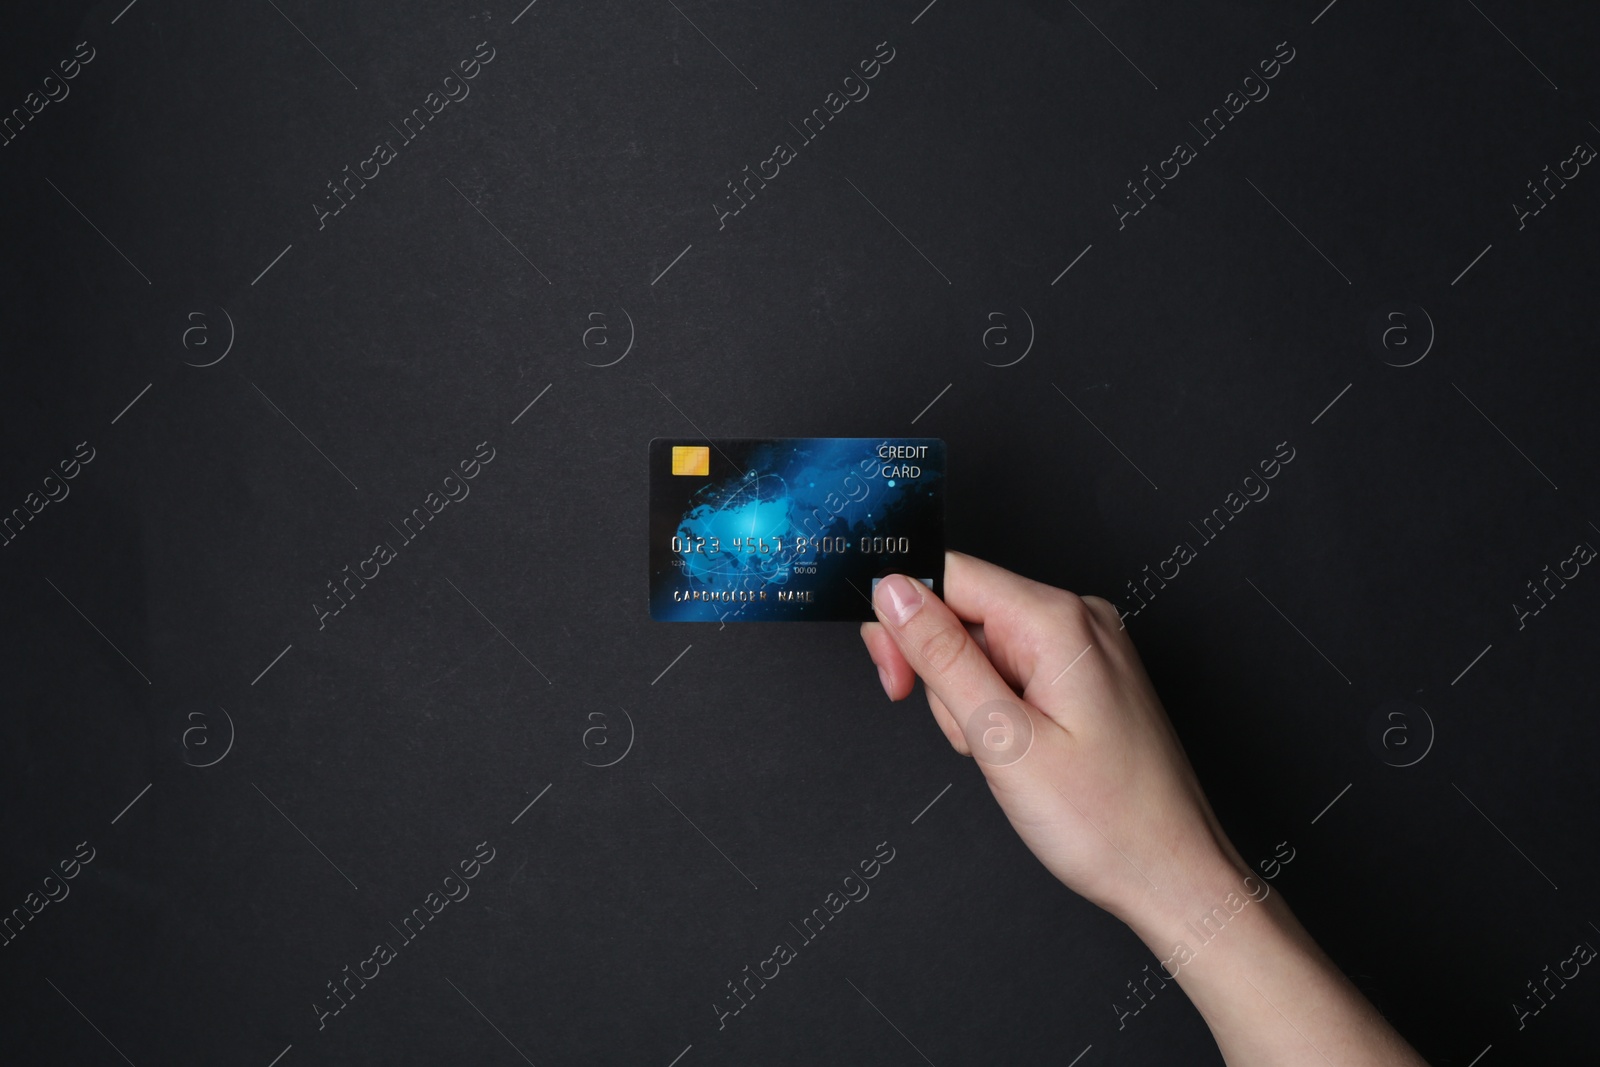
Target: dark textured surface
[[865, 290]]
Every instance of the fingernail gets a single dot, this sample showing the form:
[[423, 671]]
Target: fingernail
[[883, 679], [899, 597]]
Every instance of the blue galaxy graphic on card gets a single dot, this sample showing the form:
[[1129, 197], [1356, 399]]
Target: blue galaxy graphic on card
[[791, 528]]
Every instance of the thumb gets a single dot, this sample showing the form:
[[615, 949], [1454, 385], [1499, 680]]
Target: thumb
[[997, 724]]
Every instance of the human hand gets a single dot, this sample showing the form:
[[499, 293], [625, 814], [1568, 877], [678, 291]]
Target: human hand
[[1103, 793], [1046, 690]]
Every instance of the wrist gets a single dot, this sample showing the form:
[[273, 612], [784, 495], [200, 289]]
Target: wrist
[[1200, 905]]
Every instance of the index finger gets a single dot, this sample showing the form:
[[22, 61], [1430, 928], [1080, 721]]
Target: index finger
[[977, 590], [1026, 623]]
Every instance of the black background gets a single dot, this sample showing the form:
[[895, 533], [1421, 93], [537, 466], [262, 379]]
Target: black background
[[416, 325]]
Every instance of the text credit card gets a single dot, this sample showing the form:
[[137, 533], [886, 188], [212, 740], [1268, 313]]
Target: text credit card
[[791, 528]]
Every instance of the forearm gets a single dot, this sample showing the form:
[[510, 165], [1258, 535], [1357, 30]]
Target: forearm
[[1268, 993]]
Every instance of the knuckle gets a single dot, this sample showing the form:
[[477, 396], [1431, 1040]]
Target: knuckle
[[1103, 610], [941, 648], [1072, 611]]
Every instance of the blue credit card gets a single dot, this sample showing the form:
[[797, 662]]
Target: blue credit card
[[790, 528]]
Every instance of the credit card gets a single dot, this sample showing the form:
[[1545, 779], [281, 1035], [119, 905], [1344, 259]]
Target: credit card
[[791, 528]]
